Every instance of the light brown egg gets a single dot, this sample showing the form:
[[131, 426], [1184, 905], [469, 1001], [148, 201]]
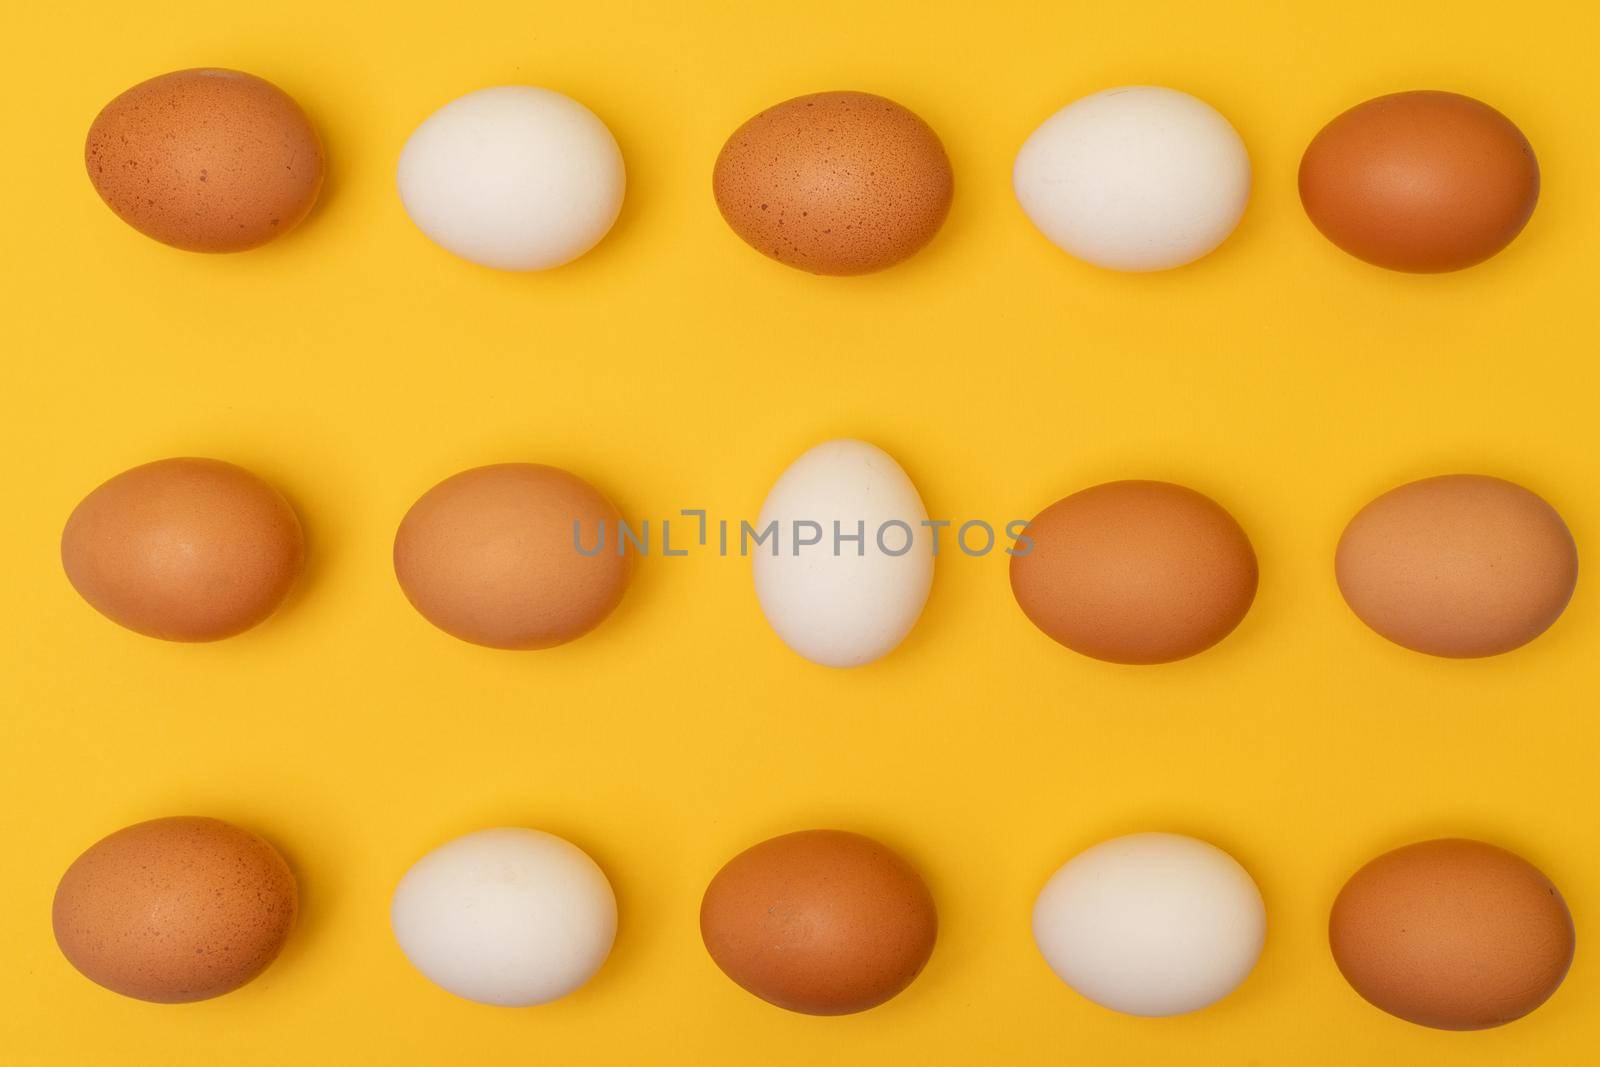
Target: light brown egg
[[1452, 934], [1458, 565], [821, 922], [491, 556], [1135, 572], [184, 549], [1420, 181], [175, 910], [834, 183], [206, 160]]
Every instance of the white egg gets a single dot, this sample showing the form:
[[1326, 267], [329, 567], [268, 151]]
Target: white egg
[[843, 601], [1151, 924], [508, 916], [1139, 178], [513, 177]]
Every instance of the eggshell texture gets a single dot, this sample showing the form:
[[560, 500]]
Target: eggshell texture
[[1135, 572], [843, 603], [1452, 934], [1151, 924], [1420, 181], [1458, 565], [1137, 178], [175, 910], [184, 549], [508, 916], [834, 183], [491, 556], [206, 160], [513, 177], [821, 922]]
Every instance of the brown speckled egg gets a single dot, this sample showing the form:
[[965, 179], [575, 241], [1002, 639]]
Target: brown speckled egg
[[1134, 572], [184, 549], [834, 183], [1459, 565], [491, 556], [175, 910], [206, 160], [821, 921], [1420, 181], [1452, 934]]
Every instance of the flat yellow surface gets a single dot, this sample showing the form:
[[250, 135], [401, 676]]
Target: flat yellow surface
[[354, 364]]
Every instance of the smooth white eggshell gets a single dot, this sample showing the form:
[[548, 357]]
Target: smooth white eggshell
[[507, 916], [1139, 178], [851, 608], [1151, 924], [513, 177]]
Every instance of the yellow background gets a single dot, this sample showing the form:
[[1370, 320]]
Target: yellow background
[[354, 364]]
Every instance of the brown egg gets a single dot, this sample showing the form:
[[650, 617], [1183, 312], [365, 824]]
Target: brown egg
[[206, 160], [821, 921], [1420, 181], [1452, 934], [184, 549], [834, 183], [1135, 572], [492, 556], [175, 910], [1459, 565]]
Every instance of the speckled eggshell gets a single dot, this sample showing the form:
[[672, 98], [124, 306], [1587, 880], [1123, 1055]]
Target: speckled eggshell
[[175, 910], [184, 549], [834, 183], [206, 160], [488, 555], [1135, 572], [1452, 934], [822, 922], [1421, 181], [1459, 565]]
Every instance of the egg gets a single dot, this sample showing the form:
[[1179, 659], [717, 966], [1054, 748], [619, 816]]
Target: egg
[[175, 910], [821, 922], [509, 916], [1151, 924], [513, 177], [1420, 181], [206, 160], [1459, 565], [834, 183], [847, 560], [1139, 178], [184, 549], [1452, 934], [514, 555], [1134, 572]]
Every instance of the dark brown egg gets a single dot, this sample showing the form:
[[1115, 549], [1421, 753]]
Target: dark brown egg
[[1420, 181], [1458, 565], [206, 160], [184, 549], [175, 910], [834, 183], [515, 555], [1453, 934], [1134, 572], [821, 921]]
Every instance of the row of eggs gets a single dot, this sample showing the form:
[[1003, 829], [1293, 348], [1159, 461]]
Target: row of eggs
[[1451, 933], [1137, 178], [517, 556]]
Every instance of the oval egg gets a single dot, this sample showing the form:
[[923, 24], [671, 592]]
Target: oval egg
[[821, 922], [1452, 934], [1459, 565], [175, 910], [847, 600]]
